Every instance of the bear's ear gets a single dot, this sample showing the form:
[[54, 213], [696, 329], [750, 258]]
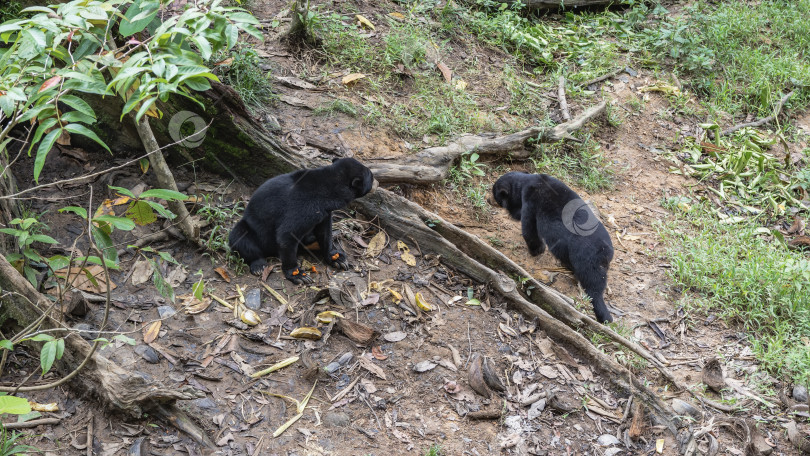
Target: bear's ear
[[357, 183], [335, 159]]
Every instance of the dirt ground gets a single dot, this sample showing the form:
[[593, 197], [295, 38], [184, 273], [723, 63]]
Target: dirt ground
[[408, 389]]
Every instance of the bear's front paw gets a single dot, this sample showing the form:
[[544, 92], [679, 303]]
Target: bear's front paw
[[338, 261], [297, 277]]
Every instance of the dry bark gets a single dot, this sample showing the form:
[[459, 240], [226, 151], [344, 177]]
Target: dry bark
[[102, 378], [432, 164]]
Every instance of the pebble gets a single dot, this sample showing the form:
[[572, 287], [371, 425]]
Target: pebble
[[148, 353], [686, 409], [336, 419], [253, 299], [608, 440], [166, 311], [800, 393]]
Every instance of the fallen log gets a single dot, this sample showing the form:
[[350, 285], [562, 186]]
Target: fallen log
[[432, 164]]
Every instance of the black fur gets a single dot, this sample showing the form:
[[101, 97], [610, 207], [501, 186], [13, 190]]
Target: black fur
[[295, 209], [550, 211]]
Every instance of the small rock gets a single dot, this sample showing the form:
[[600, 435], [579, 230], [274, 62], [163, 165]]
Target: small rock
[[166, 311], [686, 409], [345, 358], [624, 79], [713, 375], [86, 331], [253, 299], [337, 419], [148, 353], [631, 71], [613, 451], [800, 393], [206, 404], [608, 440], [332, 367]]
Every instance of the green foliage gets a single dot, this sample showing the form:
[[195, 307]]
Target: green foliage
[[346, 107], [57, 53], [246, 76], [9, 10], [581, 163], [14, 405], [29, 231], [741, 272], [743, 173], [434, 450], [220, 215], [155, 258], [8, 443]]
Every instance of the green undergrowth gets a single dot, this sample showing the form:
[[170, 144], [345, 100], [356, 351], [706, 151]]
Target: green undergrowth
[[746, 275], [579, 163]]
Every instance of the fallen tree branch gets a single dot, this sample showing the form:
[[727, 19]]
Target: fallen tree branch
[[566, 115], [601, 78], [32, 423], [402, 218], [762, 121], [433, 164]]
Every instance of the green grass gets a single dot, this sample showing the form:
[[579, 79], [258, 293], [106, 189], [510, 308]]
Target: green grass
[[244, 74], [747, 277], [739, 56], [434, 450], [582, 164]]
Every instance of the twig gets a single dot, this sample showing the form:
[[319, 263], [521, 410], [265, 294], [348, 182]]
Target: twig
[[32, 423], [601, 78], [90, 436], [762, 121], [566, 115]]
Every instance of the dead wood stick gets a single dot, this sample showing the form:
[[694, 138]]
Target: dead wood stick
[[488, 414], [601, 78], [32, 423], [566, 115], [762, 121], [432, 164], [90, 436]]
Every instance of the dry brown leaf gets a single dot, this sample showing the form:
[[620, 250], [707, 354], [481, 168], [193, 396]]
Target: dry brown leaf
[[369, 365], [350, 78], [151, 332], [398, 16], [448, 75], [78, 278], [64, 138], [364, 22], [227, 61], [376, 351], [306, 333], [376, 245], [141, 272], [405, 254], [223, 273], [49, 83]]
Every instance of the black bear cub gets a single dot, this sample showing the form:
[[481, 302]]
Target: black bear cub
[[550, 211], [292, 210]]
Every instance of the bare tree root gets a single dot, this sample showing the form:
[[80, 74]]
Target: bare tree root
[[472, 257], [433, 164], [118, 387]]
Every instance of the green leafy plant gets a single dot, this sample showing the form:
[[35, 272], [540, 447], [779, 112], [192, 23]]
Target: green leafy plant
[[67, 50], [28, 231], [243, 72], [8, 442]]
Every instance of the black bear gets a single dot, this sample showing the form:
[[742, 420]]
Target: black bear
[[292, 210], [550, 211]]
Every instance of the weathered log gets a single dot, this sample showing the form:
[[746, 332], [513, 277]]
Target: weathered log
[[103, 379], [433, 164]]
